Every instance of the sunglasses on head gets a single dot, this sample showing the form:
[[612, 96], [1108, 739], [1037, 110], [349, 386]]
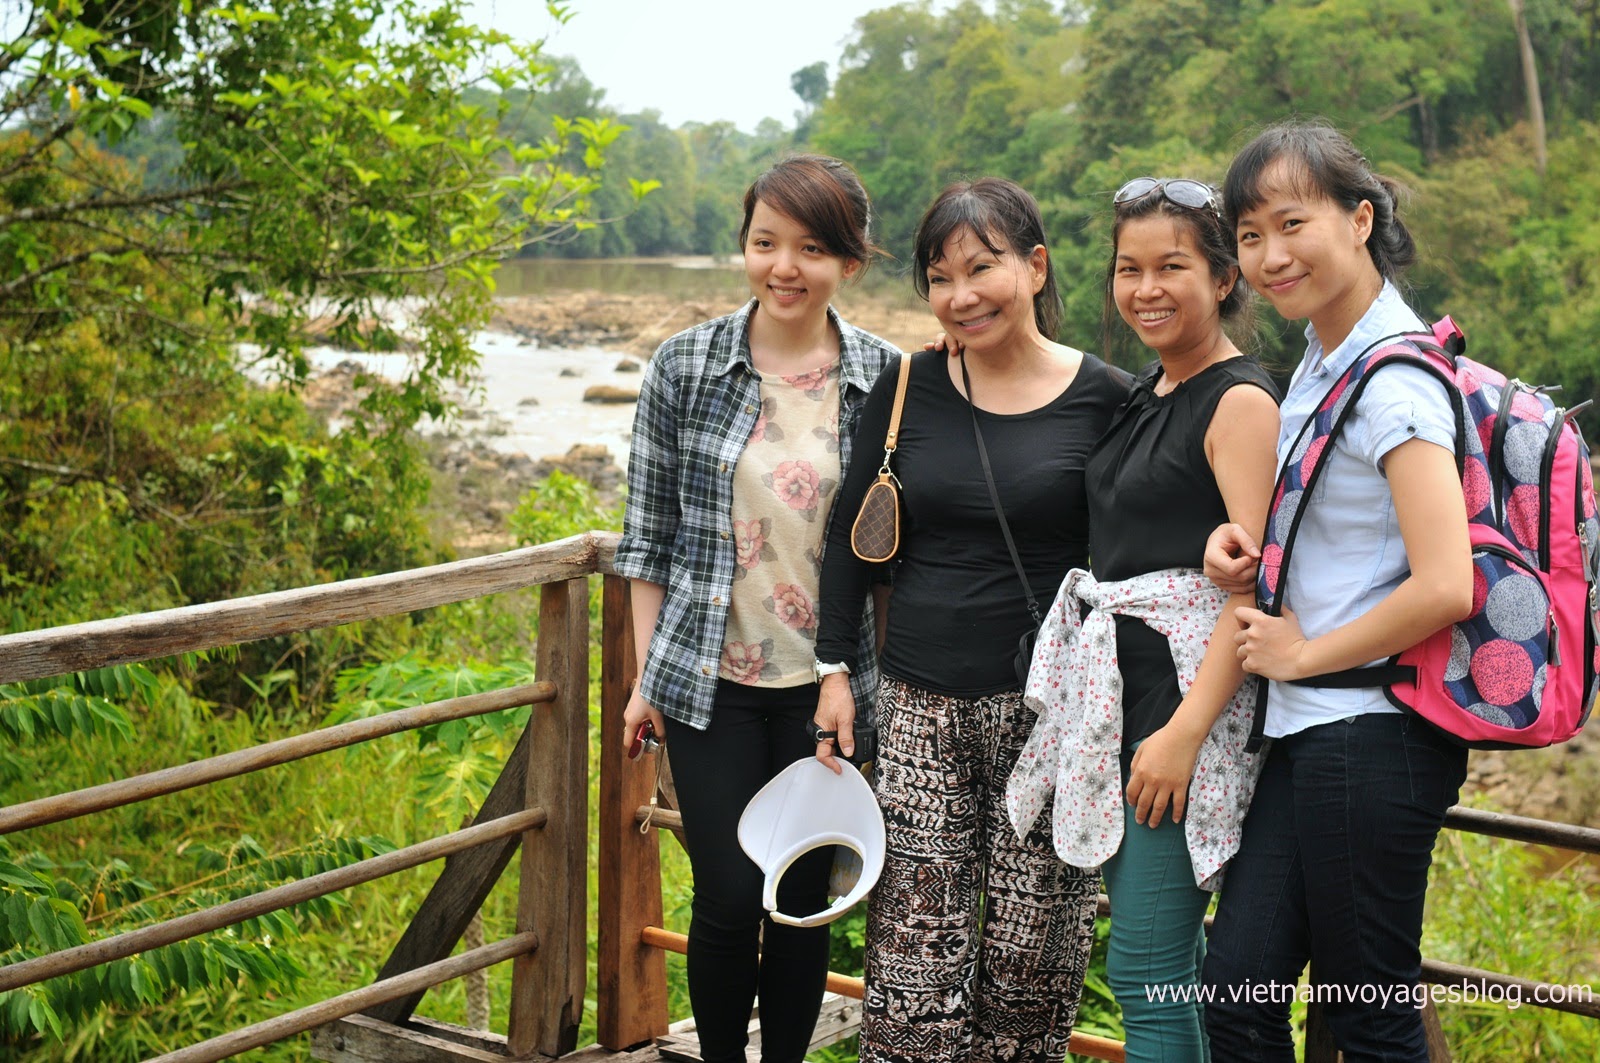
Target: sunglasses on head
[[1196, 195]]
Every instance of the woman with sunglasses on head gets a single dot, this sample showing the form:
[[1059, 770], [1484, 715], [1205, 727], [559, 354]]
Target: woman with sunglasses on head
[[742, 435], [977, 942], [1333, 866], [1151, 786]]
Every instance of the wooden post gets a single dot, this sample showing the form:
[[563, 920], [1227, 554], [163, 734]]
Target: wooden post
[[1320, 1047], [547, 989], [1438, 1043], [631, 997]]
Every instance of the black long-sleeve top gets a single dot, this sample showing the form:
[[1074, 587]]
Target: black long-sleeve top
[[957, 609]]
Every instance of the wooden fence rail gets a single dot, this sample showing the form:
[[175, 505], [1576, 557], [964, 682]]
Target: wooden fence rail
[[120, 946], [539, 803], [244, 761], [192, 628], [310, 1018]]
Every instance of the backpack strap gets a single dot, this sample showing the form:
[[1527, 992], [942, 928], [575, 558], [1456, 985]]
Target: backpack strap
[[1298, 477]]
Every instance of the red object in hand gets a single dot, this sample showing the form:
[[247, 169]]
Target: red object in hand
[[644, 741]]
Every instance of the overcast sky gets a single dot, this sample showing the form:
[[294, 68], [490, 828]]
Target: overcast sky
[[692, 60]]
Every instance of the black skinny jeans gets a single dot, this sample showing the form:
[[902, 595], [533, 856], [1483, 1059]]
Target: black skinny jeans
[[735, 952]]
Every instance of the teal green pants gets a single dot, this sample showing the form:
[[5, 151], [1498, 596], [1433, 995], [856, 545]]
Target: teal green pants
[[1157, 942]]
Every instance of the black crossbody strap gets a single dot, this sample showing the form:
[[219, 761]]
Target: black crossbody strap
[[994, 497]]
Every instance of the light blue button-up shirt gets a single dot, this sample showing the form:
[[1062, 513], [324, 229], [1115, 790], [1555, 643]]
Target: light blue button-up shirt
[[1348, 555]]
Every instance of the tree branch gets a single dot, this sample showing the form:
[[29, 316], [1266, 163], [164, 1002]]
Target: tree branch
[[35, 26], [60, 264], [57, 211], [61, 129]]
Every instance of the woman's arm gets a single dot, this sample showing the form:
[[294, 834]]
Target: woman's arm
[[645, 600], [1433, 525], [650, 522], [1240, 445], [846, 579]]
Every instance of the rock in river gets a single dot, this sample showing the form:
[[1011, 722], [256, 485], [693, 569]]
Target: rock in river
[[610, 394]]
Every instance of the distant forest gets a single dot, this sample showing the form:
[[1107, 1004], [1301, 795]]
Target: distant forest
[[1072, 99]]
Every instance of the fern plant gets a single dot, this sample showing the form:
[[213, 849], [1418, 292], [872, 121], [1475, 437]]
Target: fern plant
[[79, 703], [456, 762], [47, 906]]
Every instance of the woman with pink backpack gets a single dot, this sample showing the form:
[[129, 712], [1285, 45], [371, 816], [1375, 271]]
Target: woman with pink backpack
[[1333, 863]]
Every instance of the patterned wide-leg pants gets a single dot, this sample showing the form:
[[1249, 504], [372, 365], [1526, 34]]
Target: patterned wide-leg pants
[[976, 942]]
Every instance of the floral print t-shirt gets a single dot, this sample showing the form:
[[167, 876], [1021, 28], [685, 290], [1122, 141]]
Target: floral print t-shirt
[[783, 488]]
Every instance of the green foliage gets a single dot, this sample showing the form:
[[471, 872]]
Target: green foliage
[[559, 506], [47, 906], [456, 762], [63, 706], [1507, 907], [332, 163]]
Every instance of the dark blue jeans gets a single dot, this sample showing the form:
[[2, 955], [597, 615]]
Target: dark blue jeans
[[1333, 869]]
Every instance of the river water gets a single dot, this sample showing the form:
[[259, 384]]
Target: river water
[[528, 399]]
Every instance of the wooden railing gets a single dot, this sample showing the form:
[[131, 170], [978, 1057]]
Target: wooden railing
[[538, 803]]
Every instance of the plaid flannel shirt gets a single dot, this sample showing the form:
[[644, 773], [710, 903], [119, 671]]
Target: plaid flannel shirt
[[698, 404]]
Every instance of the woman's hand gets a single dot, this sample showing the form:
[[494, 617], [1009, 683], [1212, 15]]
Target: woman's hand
[[942, 342], [1231, 559], [1273, 646], [640, 711], [1159, 775], [836, 711]]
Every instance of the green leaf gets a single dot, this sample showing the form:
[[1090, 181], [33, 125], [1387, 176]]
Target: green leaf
[[19, 876]]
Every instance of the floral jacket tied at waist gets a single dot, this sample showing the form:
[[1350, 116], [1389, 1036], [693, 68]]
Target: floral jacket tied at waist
[[1076, 688]]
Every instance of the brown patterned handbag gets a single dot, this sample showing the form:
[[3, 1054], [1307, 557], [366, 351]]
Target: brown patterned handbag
[[875, 536]]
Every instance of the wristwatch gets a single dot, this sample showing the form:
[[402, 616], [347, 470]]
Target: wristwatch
[[819, 669]]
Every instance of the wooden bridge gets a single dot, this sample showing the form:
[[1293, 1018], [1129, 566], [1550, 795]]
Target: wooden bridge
[[537, 811]]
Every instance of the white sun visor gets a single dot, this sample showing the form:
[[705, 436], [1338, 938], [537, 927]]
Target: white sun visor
[[804, 807]]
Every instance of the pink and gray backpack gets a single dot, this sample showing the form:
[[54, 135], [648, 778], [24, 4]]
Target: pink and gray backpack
[[1521, 670]]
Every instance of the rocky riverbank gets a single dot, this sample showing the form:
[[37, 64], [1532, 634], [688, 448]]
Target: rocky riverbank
[[637, 323]]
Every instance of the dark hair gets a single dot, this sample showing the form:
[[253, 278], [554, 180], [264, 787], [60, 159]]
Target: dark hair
[[996, 210], [825, 196], [1216, 244], [1322, 162]]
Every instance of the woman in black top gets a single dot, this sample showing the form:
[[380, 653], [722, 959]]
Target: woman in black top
[[1193, 446], [944, 983]]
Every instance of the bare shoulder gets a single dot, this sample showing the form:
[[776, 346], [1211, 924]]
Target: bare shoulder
[[1245, 400], [1245, 418]]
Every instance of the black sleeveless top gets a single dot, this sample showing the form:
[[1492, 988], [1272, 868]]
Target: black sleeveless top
[[1153, 502]]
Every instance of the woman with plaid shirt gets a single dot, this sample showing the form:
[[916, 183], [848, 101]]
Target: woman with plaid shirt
[[741, 439]]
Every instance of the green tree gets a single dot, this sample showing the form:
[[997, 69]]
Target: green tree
[[332, 166], [810, 83]]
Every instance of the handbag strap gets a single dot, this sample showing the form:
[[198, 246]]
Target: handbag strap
[[891, 439], [994, 497]]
